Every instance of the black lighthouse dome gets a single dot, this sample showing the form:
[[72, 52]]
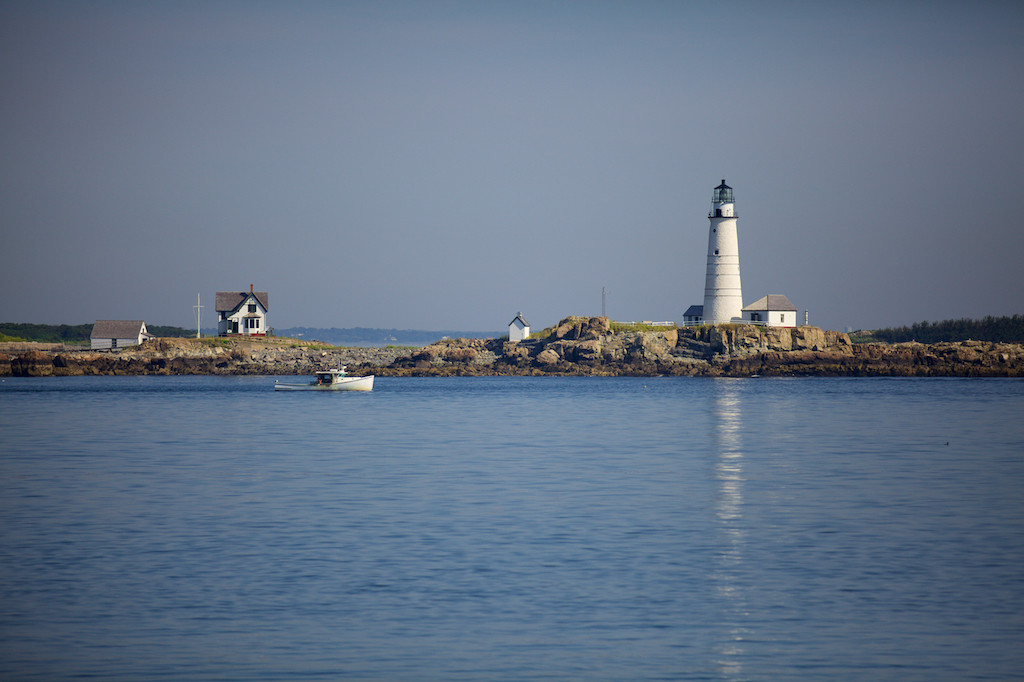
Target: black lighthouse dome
[[723, 194]]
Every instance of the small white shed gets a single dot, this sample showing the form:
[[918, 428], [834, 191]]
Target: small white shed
[[113, 334], [773, 310], [518, 328]]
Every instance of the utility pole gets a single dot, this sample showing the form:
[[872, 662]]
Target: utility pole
[[602, 302], [199, 316]]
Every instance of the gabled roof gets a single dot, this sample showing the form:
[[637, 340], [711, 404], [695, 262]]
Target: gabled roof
[[519, 316], [230, 301], [116, 329], [771, 302], [694, 311]]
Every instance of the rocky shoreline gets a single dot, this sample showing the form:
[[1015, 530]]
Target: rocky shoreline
[[578, 346], [167, 356]]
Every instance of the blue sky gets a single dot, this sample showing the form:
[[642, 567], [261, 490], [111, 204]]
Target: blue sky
[[443, 165]]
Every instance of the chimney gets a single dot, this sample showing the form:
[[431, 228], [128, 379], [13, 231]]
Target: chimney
[[250, 288]]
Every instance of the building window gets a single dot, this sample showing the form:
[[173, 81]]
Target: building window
[[252, 323], [782, 317], [252, 307], [716, 252]]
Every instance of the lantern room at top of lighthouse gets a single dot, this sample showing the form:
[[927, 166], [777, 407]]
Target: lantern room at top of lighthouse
[[722, 204]]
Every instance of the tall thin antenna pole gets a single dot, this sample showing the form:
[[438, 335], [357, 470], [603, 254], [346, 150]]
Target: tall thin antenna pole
[[602, 302], [199, 316]]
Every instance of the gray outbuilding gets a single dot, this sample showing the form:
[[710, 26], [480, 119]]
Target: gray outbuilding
[[113, 334]]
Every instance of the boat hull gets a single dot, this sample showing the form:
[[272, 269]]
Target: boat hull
[[340, 384]]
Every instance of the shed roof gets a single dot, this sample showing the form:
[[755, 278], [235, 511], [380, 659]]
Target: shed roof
[[116, 329], [694, 311], [771, 302], [229, 301], [519, 316]]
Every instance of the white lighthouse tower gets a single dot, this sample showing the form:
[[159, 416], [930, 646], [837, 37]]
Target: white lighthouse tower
[[723, 298]]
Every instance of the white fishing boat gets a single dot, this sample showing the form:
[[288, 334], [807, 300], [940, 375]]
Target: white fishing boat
[[330, 380]]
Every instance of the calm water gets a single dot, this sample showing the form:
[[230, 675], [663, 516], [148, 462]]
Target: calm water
[[203, 528]]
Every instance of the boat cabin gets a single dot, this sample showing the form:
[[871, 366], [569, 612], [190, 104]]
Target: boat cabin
[[330, 376]]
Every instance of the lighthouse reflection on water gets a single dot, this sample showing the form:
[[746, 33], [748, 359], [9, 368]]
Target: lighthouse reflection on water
[[727, 420]]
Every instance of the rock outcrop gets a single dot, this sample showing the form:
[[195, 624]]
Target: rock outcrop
[[589, 346], [576, 346]]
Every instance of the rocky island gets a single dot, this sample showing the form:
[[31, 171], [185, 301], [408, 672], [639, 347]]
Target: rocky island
[[585, 346]]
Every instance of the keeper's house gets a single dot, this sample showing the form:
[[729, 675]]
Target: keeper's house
[[242, 313], [114, 334], [773, 310]]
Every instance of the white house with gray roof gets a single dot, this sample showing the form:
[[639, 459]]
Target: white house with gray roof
[[114, 334], [773, 310], [242, 313]]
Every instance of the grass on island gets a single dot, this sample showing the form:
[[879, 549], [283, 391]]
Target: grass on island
[[277, 341], [641, 327], [615, 327]]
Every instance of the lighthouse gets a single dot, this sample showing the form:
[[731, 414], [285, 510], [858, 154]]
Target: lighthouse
[[723, 298]]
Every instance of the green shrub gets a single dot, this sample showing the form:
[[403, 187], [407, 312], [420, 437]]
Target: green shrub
[[993, 329]]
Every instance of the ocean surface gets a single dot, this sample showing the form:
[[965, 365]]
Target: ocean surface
[[208, 528]]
